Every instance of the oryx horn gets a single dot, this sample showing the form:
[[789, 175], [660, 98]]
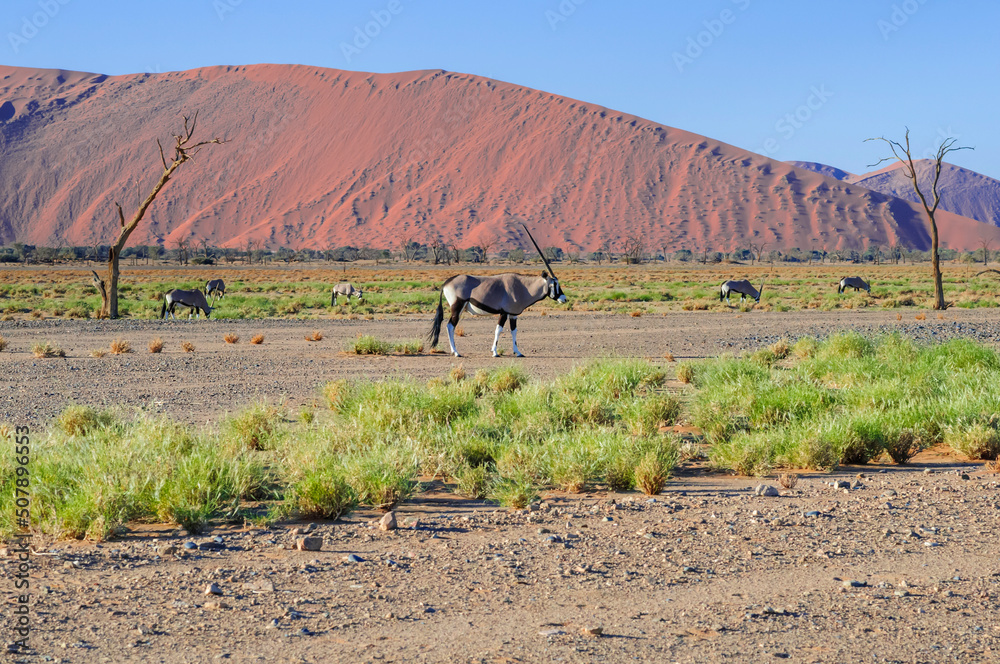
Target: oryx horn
[[544, 259]]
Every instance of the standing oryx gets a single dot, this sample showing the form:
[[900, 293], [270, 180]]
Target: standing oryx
[[743, 287], [192, 299], [505, 294], [857, 283], [215, 287], [347, 290]]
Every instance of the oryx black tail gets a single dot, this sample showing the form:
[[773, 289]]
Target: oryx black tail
[[435, 332]]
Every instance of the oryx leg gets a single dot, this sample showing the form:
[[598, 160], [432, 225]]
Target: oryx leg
[[513, 335], [456, 312], [499, 331]]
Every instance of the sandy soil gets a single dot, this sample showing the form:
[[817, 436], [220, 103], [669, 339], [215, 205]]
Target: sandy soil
[[900, 567], [198, 387]]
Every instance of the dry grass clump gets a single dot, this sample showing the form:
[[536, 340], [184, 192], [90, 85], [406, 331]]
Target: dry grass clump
[[100, 352], [257, 339], [459, 332], [903, 447], [3, 342], [781, 348], [992, 466], [36, 314], [457, 374], [231, 338], [187, 346], [46, 349], [315, 336], [156, 345], [788, 480], [921, 316], [635, 314], [899, 316], [685, 373], [120, 347], [669, 357], [979, 441]]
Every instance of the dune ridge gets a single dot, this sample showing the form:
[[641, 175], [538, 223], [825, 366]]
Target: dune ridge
[[319, 158]]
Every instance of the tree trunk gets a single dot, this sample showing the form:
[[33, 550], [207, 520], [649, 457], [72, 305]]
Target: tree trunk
[[936, 264]]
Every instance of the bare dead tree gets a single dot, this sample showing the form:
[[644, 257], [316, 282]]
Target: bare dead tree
[[182, 250], [488, 243], [985, 246], [757, 248], [901, 152], [406, 248], [441, 253], [633, 248], [184, 150]]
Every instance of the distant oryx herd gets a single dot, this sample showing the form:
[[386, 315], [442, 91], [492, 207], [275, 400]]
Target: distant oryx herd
[[505, 295]]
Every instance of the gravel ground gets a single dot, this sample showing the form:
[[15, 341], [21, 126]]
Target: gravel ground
[[198, 387], [900, 566]]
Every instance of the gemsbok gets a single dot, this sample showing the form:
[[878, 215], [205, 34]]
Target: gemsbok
[[857, 283], [505, 294], [743, 287], [192, 299], [347, 290], [215, 287]]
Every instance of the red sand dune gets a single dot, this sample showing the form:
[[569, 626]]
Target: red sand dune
[[320, 158]]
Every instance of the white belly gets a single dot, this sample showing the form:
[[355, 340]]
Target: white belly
[[473, 309]]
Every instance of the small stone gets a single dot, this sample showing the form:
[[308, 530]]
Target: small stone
[[215, 606], [854, 584], [211, 546], [542, 531], [767, 491], [902, 593], [309, 543], [812, 513], [592, 630], [190, 546], [965, 476], [841, 484], [607, 518], [213, 589], [388, 521], [354, 558], [551, 632], [928, 471]]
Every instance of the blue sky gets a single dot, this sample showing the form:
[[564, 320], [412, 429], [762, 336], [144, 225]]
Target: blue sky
[[804, 80]]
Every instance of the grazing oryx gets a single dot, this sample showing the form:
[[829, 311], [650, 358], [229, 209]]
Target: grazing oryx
[[743, 287], [504, 294], [857, 283], [215, 287], [347, 290], [192, 299]]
